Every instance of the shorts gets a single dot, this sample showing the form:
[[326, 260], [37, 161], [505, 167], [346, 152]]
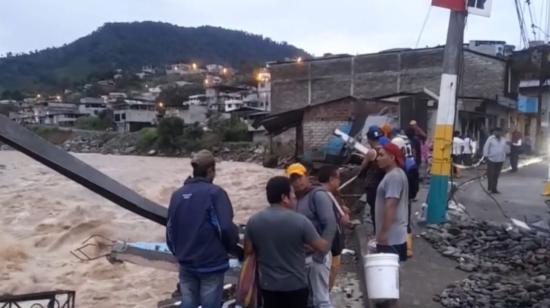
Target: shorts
[[400, 250]]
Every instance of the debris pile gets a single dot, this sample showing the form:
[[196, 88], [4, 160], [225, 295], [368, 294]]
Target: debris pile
[[104, 143], [510, 266], [126, 144]]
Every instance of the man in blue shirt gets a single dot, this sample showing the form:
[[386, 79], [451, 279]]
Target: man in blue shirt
[[200, 233]]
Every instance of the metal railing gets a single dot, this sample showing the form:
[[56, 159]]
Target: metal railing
[[50, 299]]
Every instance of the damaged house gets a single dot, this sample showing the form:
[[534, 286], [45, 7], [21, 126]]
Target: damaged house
[[407, 79]]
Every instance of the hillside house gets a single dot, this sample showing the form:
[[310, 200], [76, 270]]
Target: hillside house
[[133, 115], [92, 106]]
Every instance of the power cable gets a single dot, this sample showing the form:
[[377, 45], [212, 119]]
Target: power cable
[[423, 26], [533, 22], [521, 21]]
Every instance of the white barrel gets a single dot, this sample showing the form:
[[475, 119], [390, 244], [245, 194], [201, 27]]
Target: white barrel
[[382, 271]]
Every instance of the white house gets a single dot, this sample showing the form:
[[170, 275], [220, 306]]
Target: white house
[[264, 89], [92, 106], [195, 100], [133, 115], [54, 113]]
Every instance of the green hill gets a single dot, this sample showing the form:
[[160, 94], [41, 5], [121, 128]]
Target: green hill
[[129, 46]]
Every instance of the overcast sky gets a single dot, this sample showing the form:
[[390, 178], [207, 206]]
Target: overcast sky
[[342, 26]]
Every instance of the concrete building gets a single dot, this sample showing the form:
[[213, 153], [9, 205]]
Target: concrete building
[[132, 115], [264, 89], [52, 113], [92, 106], [492, 48], [308, 131], [179, 69], [485, 97]]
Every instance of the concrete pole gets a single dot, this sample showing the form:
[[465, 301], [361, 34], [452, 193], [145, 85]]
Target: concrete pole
[[443, 137]]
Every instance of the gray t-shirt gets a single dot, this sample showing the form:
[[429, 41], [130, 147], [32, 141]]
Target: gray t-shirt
[[318, 207], [278, 236], [394, 185]]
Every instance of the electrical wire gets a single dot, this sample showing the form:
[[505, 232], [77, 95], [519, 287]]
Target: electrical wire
[[532, 19], [423, 26], [521, 20]]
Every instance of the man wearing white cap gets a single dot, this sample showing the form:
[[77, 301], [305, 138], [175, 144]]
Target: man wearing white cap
[[413, 177]]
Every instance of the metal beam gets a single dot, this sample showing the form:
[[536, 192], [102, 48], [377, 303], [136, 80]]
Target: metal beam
[[46, 153]]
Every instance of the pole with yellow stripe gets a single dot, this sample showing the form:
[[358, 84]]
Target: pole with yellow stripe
[[443, 137]]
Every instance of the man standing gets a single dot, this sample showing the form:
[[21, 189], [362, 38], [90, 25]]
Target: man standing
[[391, 203], [329, 178], [467, 150], [372, 173], [515, 149], [494, 150], [278, 236], [200, 233], [458, 147], [413, 179], [315, 204]]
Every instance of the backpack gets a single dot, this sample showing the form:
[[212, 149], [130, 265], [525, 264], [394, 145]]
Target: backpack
[[338, 243], [410, 162]]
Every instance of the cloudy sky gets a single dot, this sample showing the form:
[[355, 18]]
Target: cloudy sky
[[343, 26]]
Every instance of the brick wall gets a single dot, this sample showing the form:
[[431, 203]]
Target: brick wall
[[295, 85], [320, 121]]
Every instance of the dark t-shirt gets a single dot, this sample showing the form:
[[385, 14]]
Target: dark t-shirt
[[279, 237]]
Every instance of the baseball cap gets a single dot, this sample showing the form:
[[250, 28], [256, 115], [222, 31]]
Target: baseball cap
[[399, 142], [203, 158], [383, 140], [296, 168], [374, 132], [412, 122], [396, 152]]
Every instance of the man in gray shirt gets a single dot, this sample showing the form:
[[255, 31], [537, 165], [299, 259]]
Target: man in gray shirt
[[392, 203], [495, 150], [278, 236], [317, 206]]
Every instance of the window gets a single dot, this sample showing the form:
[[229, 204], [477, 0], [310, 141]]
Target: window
[[123, 116], [480, 4], [117, 117]]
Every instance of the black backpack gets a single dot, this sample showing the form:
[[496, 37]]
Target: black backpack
[[339, 241]]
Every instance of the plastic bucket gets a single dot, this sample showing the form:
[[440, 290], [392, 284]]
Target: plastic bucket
[[382, 272]]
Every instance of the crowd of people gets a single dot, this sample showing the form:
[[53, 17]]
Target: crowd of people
[[297, 240]]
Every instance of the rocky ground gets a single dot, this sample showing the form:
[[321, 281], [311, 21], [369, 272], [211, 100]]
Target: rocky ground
[[126, 144], [510, 265]]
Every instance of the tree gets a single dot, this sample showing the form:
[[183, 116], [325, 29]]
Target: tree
[[174, 96], [170, 131]]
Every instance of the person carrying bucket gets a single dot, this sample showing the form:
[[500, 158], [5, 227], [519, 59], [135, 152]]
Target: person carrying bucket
[[392, 197], [413, 177]]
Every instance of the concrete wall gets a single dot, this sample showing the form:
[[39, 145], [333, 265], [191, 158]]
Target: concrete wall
[[295, 85], [320, 122]]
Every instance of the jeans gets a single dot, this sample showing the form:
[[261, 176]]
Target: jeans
[[400, 250], [318, 276], [493, 173], [201, 289], [282, 299], [514, 157], [371, 200]]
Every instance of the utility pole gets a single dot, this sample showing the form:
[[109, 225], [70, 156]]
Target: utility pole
[[443, 137]]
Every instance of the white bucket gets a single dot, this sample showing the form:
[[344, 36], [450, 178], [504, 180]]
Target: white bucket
[[382, 271]]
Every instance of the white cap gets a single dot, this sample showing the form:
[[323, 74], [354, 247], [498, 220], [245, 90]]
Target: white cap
[[399, 142]]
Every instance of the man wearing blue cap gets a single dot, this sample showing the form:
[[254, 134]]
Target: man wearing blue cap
[[372, 174]]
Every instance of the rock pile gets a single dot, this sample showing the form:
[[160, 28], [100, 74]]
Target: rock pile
[[240, 151], [510, 266], [126, 144], [105, 143]]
